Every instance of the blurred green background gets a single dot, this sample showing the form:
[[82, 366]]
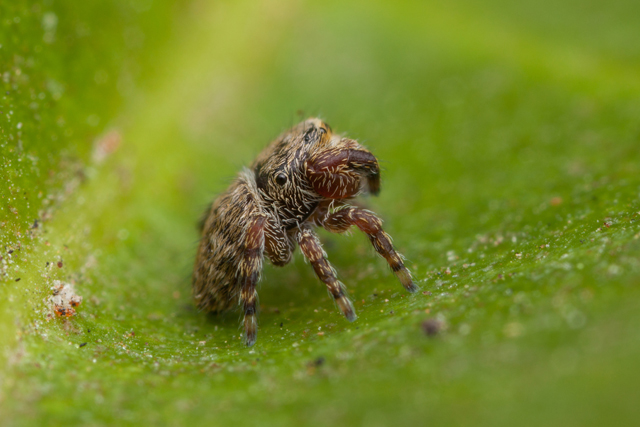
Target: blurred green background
[[509, 137]]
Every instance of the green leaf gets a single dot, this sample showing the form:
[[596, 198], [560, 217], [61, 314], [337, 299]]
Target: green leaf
[[509, 143]]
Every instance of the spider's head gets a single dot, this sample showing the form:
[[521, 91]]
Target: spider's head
[[308, 164], [281, 169]]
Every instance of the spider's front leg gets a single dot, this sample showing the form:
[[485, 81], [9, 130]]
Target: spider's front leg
[[312, 250], [278, 247], [336, 172], [371, 225], [250, 269]]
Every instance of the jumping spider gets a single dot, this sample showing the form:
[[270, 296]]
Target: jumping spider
[[302, 180]]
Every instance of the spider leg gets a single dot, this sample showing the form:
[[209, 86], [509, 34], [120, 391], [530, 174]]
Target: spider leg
[[312, 250], [250, 269], [371, 225], [337, 172], [278, 245]]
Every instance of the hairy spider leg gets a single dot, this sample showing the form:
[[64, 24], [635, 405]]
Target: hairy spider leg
[[250, 268], [312, 250], [336, 172], [371, 225], [278, 245]]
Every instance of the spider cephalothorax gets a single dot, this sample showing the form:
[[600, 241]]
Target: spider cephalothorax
[[300, 181]]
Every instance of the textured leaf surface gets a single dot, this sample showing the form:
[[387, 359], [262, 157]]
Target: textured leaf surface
[[509, 139]]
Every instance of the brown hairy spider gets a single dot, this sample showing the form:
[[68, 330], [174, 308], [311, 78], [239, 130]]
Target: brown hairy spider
[[302, 180]]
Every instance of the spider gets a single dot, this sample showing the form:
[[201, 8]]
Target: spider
[[304, 179]]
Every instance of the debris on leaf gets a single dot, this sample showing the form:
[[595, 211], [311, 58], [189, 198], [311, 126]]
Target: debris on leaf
[[106, 145], [319, 361], [556, 201], [64, 300], [431, 327]]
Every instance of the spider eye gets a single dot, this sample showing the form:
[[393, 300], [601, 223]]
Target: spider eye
[[308, 134], [281, 179]]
